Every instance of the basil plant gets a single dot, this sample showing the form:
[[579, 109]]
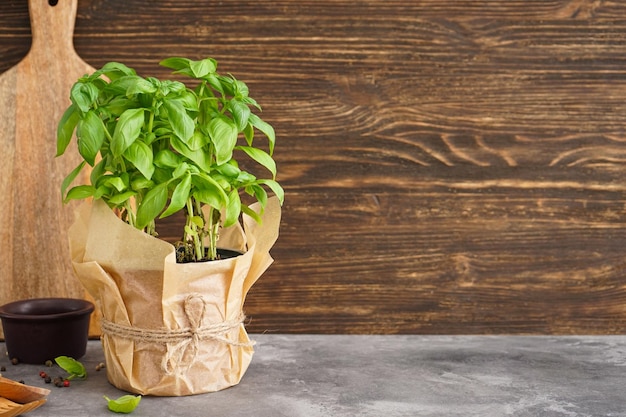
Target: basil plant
[[156, 147]]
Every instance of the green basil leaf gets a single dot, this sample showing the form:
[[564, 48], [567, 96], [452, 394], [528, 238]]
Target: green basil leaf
[[125, 404], [71, 366], [118, 105], [161, 175], [99, 83], [209, 197], [115, 70], [179, 196], [116, 182], [79, 192], [178, 88], [176, 63], [187, 98], [98, 171], [198, 140], [253, 214], [208, 191], [276, 189], [181, 65], [119, 86], [215, 83], [182, 124], [166, 159], [233, 209], [204, 67], [241, 89], [246, 178], [241, 113], [258, 192], [229, 169], [197, 220], [180, 170], [66, 127], [261, 157], [159, 85], [223, 133], [90, 133], [151, 205], [71, 177], [83, 95], [248, 133], [200, 157], [140, 85], [127, 130], [141, 157], [250, 101], [141, 183], [264, 127], [120, 199], [227, 84], [189, 231], [101, 192]]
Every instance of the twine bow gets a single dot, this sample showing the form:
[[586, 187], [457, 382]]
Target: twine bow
[[182, 344]]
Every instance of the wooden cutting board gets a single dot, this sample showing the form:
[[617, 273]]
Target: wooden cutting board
[[34, 252]]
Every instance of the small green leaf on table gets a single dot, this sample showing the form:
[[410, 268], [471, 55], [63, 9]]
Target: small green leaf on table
[[72, 367], [125, 404]]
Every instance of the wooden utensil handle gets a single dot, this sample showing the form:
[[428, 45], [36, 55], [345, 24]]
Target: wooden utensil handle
[[52, 25]]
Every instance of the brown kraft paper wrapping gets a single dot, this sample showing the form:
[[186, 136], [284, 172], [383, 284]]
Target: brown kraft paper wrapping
[[170, 329]]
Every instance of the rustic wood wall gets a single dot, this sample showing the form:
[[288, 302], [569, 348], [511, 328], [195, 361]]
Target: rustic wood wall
[[450, 166]]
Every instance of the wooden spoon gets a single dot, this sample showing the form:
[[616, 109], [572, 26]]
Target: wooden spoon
[[21, 393], [17, 398], [9, 408]]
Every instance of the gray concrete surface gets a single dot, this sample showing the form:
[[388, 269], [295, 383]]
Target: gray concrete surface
[[311, 376]]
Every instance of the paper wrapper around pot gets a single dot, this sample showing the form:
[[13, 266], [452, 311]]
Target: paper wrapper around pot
[[170, 329]]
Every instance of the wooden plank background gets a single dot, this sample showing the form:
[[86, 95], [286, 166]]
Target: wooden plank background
[[450, 166]]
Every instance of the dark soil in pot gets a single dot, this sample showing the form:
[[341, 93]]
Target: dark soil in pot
[[182, 257], [40, 329]]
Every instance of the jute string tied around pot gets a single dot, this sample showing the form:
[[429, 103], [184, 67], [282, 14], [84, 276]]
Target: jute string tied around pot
[[182, 344]]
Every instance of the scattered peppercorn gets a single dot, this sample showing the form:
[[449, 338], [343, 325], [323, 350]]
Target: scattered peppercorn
[[66, 383], [43, 374], [58, 381], [47, 380], [49, 363], [100, 366], [3, 368], [15, 361], [21, 381]]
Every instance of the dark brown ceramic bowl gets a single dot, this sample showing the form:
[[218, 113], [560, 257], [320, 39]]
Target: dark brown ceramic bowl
[[40, 329]]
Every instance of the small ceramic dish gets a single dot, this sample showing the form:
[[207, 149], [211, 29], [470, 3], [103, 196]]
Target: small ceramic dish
[[40, 329]]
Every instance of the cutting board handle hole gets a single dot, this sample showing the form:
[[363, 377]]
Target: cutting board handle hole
[[53, 2]]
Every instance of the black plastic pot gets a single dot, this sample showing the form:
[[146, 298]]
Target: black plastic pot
[[40, 329]]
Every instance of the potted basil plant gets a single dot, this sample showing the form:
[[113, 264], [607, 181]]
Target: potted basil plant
[[163, 148], [154, 148]]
